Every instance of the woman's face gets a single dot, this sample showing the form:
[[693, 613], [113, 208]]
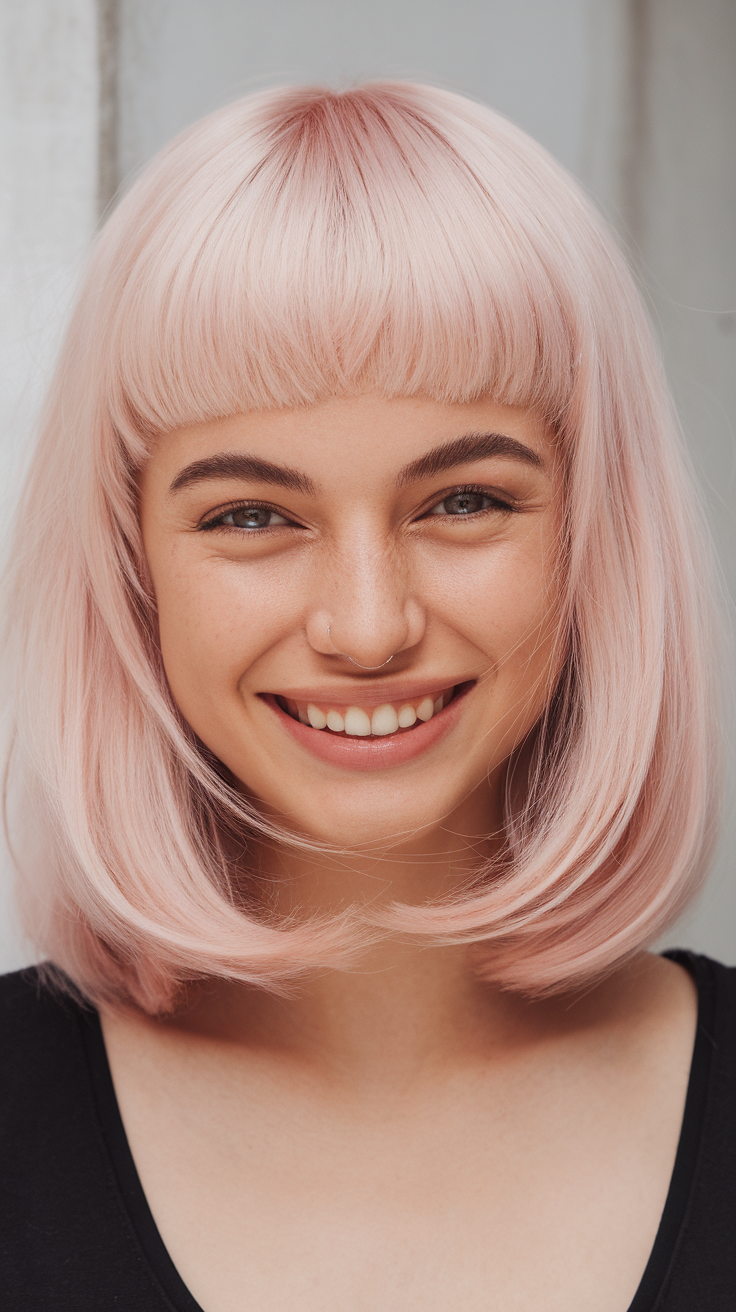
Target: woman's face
[[357, 604]]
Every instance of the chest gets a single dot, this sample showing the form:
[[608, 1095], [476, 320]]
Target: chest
[[530, 1195]]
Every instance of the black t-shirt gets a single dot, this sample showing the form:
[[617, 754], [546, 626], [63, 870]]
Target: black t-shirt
[[77, 1235]]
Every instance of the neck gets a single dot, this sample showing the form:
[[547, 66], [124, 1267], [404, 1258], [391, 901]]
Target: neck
[[401, 1011], [402, 1006]]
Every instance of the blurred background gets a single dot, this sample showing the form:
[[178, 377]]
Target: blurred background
[[636, 97]]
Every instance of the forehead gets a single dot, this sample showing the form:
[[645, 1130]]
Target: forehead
[[365, 439]]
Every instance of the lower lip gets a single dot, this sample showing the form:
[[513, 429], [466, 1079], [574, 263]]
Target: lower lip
[[372, 753]]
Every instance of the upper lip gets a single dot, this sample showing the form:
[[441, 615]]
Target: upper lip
[[368, 694]]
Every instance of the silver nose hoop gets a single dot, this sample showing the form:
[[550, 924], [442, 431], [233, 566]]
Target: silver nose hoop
[[366, 667], [354, 662]]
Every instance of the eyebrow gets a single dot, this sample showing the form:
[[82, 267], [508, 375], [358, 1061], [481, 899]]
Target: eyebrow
[[238, 464], [460, 451], [464, 450]]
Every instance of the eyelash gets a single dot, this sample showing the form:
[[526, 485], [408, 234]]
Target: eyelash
[[216, 521], [475, 489], [497, 504]]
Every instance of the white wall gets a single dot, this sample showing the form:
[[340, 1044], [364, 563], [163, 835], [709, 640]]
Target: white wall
[[683, 221], [49, 96], [636, 97], [48, 189], [181, 58]]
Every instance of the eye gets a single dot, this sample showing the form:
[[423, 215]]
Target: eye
[[468, 501], [249, 517]]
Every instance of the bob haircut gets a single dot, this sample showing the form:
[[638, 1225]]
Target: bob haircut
[[296, 245]]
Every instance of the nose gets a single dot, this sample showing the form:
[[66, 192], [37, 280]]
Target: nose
[[368, 612]]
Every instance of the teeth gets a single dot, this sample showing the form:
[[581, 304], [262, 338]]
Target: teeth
[[358, 723], [384, 720]]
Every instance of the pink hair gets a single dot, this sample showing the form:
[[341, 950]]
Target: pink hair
[[299, 244]]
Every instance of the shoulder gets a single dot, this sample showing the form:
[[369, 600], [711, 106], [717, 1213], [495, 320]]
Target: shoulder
[[716, 984], [703, 1192], [42, 1062], [716, 988], [37, 1017], [29, 993], [717, 1030], [44, 1086], [66, 1240]]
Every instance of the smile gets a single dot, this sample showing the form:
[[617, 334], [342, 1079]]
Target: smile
[[380, 730], [357, 721]]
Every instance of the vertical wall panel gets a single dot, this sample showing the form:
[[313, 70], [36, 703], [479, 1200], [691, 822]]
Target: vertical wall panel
[[48, 210], [48, 186], [686, 232]]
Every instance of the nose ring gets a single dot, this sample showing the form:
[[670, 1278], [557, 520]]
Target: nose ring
[[354, 662], [366, 667]]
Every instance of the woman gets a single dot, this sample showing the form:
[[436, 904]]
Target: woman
[[364, 736]]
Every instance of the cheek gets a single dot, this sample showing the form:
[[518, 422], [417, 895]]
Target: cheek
[[506, 602], [519, 635], [215, 621]]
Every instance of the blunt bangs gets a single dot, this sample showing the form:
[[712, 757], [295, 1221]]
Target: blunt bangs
[[317, 244], [297, 245]]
